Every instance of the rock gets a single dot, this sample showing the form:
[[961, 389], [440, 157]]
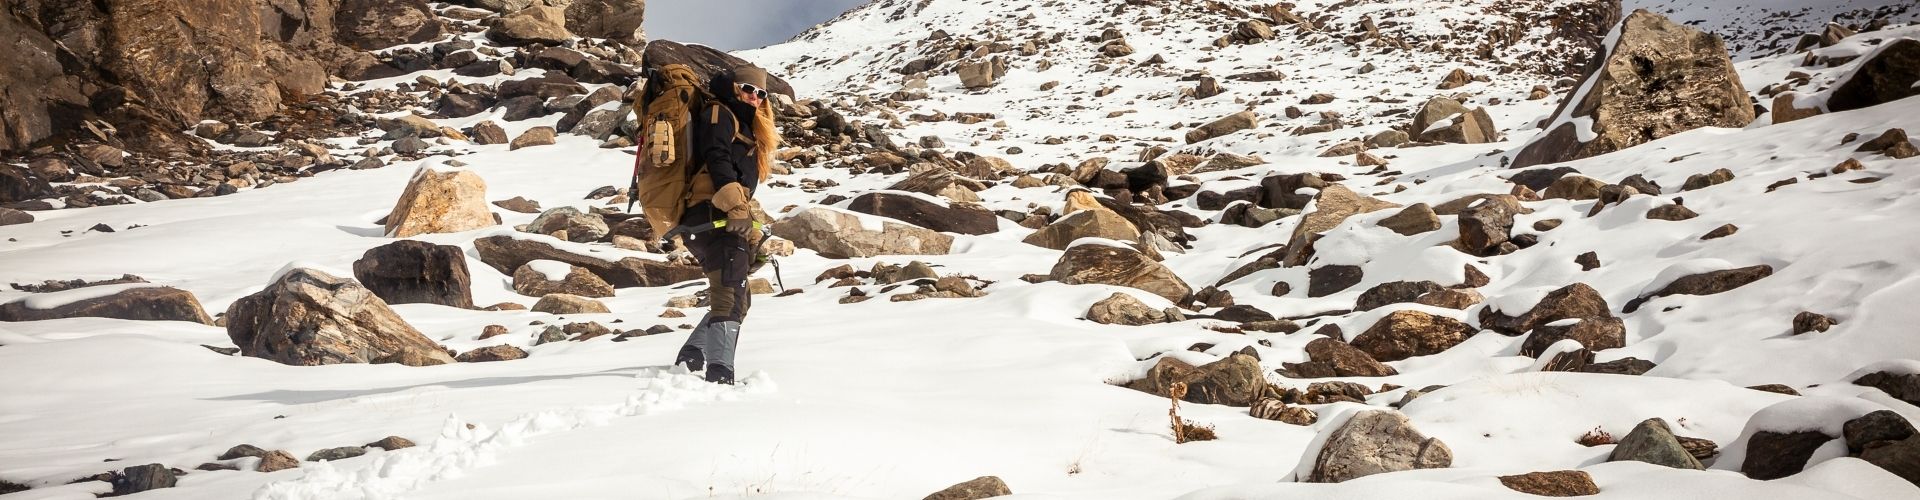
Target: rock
[[440, 200], [1455, 79], [537, 136], [975, 75], [1886, 76], [1672, 213], [143, 478], [1563, 483], [1393, 293], [1874, 428], [1709, 179], [1658, 79], [1345, 360], [10, 217], [1707, 283], [1373, 442], [580, 227], [539, 24], [506, 253], [488, 132], [1408, 333], [1574, 187], [1653, 443], [409, 145], [378, 24], [242, 450], [308, 318], [540, 278], [1623, 366], [391, 443], [1415, 219], [1333, 205], [416, 272], [1328, 280], [277, 460], [1110, 265], [1723, 231], [1274, 409], [617, 20], [1809, 322], [1446, 120], [492, 353], [1123, 309], [1893, 142], [125, 301], [1451, 299], [1087, 223], [333, 454], [704, 60], [560, 303], [1486, 226], [1594, 334], [919, 212], [18, 184], [1575, 301], [1389, 138], [1236, 380], [978, 488], [1901, 387], [1231, 123], [839, 234], [1902, 458], [1774, 455]]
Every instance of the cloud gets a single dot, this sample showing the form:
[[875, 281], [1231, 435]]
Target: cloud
[[738, 24]]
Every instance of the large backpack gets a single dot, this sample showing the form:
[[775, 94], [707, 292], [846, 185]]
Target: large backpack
[[666, 162]]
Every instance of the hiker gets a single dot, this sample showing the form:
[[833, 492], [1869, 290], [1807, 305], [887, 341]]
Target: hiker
[[733, 138]]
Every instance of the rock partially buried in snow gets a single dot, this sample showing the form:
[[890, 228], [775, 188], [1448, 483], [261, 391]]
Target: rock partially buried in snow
[[1562, 483], [1231, 123], [1886, 76], [1708, 283], [492, 353], [1658, 79], [1103, 264], [1094, 222], [952, 218], [1408, 333], [580, 227], [1236, 380], [1123, 309], [560, 303], [506, 253], [1373, 442], [537, 136], [977, 489], [440, 200], [839, 234], [540, 24], [1415, 219], [307, 317], [416, 272], [540, 278], [137, 301], [1333, 205], [144, 478], [1652, 442], [1573, 301]]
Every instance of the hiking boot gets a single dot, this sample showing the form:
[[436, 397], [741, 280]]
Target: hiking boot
[[720, 374], [692, 358]]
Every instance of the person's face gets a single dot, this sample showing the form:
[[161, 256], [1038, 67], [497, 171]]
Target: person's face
[[751, 98]]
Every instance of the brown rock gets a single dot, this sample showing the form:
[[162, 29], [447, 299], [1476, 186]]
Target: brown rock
[[1333, 205], [277, 460], [1886, 76], [378, 24], [1394, 292], [438, 200], [1484, 227], [308, 318], [979, 488], [1374, 442], [1774, 455], [1109, 265], [416, 272], [506, 253], [540, 24], [1809, 322], [130, 302], [537, 136], [1573, 301], [1346, 360], [1415, 219], [953, 218], [1594, 334], [1708, 283], [491, 353], [533, 281], [1328, 280], [1408, 333], [1574, 187], [560, 303], [1123, 309], [838, 234], [1231, 123], [1564, 483], [1087, 223], [1236, 380]]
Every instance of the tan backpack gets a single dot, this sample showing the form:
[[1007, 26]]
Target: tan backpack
[[666, 162]]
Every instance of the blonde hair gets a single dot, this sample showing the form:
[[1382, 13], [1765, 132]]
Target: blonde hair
[[765, 135]]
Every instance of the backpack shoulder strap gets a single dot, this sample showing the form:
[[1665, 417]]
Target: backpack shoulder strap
[[713, 118]]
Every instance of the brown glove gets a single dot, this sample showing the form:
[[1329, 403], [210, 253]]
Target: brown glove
[[734, 200]]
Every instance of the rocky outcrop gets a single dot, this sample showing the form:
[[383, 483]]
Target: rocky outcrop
[[618, 20], [1886, 76], [506, 254], [1111, 265], [440, 200], [308, 317], [1660, 78], [131, 301], [416, 272], [1373, 442], [839, 234]]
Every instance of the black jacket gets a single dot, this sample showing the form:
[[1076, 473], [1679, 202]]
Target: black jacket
[[722, 141]]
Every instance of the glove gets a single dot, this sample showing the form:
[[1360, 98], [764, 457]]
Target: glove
[[741, 227]]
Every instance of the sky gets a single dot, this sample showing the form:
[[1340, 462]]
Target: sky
[[738, 24]]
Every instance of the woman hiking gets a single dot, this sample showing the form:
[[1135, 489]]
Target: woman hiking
[[734, 137]]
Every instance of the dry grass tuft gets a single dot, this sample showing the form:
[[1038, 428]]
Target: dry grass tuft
[[1595, 437]]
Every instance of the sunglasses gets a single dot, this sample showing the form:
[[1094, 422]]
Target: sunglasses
[[750, 89]]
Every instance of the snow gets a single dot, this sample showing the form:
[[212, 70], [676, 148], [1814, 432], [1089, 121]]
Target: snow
[[1823, 414], [56, 300], [553, 270], [896, 400]]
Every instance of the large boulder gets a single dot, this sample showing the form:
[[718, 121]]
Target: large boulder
[[19, 184], [137, 301], [840, 234], [1658, 79], [440, 200], [1329, 357], [416, 272], [1887, 75], [1333, 205], [980, 74], [946, 218], [1101, 264], [506, 253], [1236, 380], [540, 24], [617, 20], [1408, 333], [705, 61], [540, 278], [1575, 301], [378, 24], [1226, 125], [1373, 442], [1446, 120], [307, 317], [1486, 227], [1653, 442], [1096, 222]]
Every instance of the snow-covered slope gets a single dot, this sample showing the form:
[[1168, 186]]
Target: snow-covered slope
[[883, 399]]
